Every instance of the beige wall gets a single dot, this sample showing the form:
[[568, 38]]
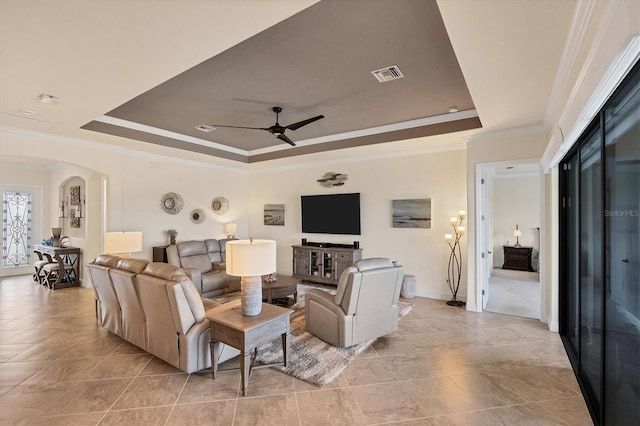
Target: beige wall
[[124, 190], [133, 184], [440, 176]]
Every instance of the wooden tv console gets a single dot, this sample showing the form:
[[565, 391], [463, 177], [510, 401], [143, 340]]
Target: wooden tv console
[[323, 264]]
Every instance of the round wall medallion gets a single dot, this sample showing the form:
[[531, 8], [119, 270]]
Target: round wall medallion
[[172, 203], [220, 205], [197, 216]]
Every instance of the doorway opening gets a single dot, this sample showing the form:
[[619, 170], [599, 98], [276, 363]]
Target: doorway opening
[[509, 238]]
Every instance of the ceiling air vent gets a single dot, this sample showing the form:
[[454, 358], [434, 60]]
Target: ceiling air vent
[[205, 128], [387, 73]]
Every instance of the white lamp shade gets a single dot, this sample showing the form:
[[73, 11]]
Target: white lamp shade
[[122, 242], [251, 258], [517, 233], [230, 228]]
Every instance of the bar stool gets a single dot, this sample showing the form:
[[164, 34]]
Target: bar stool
[[38, 276], [52, 272]]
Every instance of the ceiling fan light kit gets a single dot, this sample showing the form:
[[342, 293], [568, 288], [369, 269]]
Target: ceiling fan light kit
[[276, 129]]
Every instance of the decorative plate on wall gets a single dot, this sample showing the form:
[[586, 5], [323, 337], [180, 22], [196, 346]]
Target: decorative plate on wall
[[220, 205], [172, 203], [197, 216]]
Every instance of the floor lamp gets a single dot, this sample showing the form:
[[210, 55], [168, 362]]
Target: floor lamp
[[250, 259], [454, 268]]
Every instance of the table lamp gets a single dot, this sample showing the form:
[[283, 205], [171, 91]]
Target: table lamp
[[517, 233], [230, 229], [122, 243], [250, 259]]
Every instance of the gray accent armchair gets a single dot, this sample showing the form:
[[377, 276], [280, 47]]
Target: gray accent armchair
[[364, 307]]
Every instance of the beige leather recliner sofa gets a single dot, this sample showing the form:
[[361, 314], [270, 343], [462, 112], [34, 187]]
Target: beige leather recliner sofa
[[156, 307], [365, 305], [204, 262]]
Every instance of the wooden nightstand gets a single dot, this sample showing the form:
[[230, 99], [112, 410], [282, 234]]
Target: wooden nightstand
[[518, 258]]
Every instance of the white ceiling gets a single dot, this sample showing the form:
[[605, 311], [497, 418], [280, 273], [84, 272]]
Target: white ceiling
[[98, 55]]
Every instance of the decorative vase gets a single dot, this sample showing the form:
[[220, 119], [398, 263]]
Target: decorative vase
[[56, 236]]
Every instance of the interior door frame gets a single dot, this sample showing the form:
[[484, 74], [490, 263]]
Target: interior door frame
[[483, 233], [483, 238]]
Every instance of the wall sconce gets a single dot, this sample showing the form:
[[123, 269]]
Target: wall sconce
[[230, 229], [81, 207], [62, 211], [517, 233]]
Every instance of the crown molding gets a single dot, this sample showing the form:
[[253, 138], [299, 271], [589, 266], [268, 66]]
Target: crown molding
[[575, 38], [507, 133], [626, 58], [371, 157], [403, 125], [119, 122], [151, 157]]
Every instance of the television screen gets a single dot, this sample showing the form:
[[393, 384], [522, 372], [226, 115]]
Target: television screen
[[331, 214]]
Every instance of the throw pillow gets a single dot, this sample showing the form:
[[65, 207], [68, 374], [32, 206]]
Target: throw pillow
[[269, 278]]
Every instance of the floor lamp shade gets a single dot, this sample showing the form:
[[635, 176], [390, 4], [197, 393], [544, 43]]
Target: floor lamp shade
[[122, 243], [250, 259]]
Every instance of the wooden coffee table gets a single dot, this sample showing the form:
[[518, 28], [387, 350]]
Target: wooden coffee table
[[245, 333], [283, 286]]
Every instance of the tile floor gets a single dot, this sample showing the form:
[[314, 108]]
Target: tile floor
[[444, 366]]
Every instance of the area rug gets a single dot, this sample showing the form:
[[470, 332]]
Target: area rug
[[310, 359]]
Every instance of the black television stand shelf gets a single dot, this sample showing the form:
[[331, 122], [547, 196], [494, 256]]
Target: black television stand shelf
[[323, 264]]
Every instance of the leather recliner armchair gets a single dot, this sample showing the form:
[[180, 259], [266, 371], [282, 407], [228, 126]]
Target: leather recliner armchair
[[364, 307], [204, 263]]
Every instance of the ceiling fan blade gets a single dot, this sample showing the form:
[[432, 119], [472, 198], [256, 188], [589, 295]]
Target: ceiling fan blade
[[299, 124], [238, 127], [283, 137]]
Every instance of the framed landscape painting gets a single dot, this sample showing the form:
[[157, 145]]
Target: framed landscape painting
[[413, 213], [274, 214]]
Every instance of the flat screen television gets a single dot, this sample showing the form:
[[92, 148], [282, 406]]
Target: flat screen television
[[331, 214]]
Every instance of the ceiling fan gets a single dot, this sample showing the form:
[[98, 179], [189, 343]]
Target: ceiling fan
[[277, 129]]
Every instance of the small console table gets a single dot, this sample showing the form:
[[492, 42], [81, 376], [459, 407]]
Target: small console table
[[518, 258], [68, 255], [323, 263]]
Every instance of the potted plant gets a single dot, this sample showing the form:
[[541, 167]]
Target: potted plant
[[172, 233]]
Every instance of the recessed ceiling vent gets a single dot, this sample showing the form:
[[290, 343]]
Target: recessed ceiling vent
[[387, 73]]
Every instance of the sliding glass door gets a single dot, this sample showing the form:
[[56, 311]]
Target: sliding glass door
[[590, 257], [600, 258], [622, 262]]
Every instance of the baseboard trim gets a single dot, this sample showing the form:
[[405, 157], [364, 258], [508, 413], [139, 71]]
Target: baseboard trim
[[439, 296], [472, 307]]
